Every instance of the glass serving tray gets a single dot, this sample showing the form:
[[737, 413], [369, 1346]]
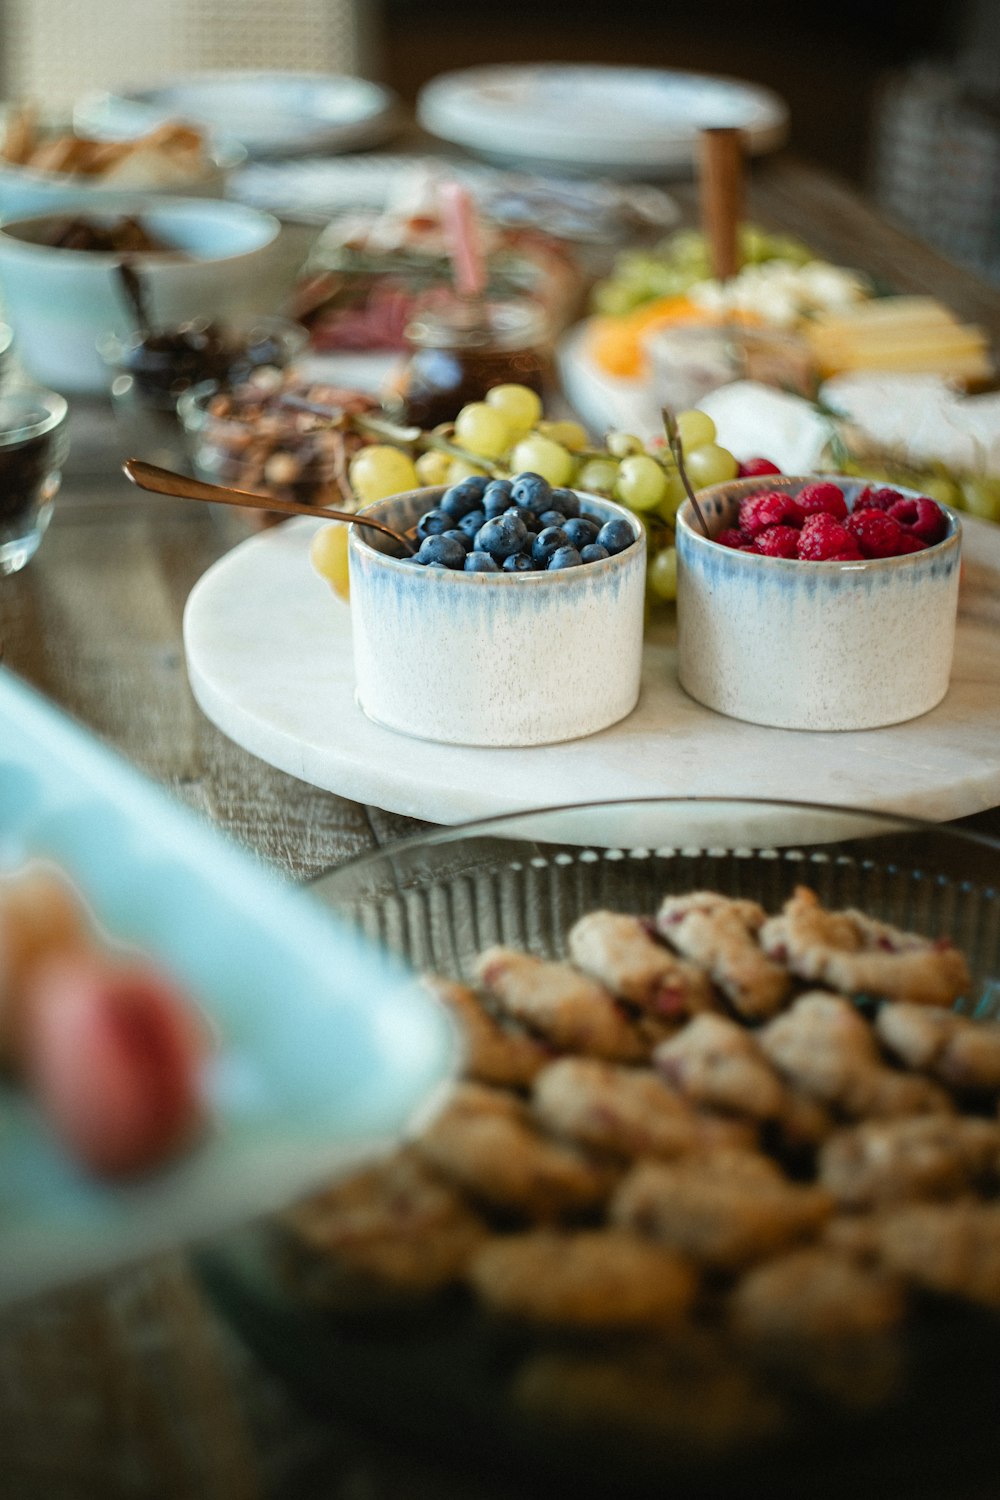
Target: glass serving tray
[[436, 1379]]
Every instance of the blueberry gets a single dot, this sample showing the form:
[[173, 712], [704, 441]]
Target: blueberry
[[566, 501], [481, 562], [593, 552], [580, 531], [443, 550], [502, 537], [616, 536], [518, 562], [433, 522], [531, 491], [529, 518], [462, 537], [547, 542], [565, 557], [471, 523], [460, 498], [551, 518], [496, 498]]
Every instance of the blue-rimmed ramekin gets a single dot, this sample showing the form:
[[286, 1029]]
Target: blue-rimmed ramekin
[[502, 659], [812, 645]]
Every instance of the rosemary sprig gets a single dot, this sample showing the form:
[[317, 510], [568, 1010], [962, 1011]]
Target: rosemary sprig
[[676, 446]]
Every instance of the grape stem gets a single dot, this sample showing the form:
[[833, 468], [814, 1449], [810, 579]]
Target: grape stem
[[677, 449]]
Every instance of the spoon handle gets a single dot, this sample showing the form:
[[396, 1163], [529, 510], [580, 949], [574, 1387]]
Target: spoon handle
[[183, 487]]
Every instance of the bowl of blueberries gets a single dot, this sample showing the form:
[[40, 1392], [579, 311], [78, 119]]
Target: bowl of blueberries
[[518, 620]]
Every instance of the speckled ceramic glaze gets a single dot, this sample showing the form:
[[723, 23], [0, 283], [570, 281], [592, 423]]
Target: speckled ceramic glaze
[[495, 658], [812, 645]]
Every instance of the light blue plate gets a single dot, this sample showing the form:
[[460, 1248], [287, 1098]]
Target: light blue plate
[[271, 114], [326, 1048]]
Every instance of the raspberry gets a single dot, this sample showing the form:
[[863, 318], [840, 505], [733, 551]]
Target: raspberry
[[768, 508], [849, 554], [910, 542], [923, 517], [750, 468], [870, 499], [822, 497], [823, 539], [779, 541], [876, 533], [733, 537]]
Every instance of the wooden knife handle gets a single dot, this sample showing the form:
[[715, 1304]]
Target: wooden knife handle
[[722, 197]]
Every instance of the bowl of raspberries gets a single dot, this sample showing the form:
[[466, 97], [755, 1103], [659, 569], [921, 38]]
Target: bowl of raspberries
[[817, 602]]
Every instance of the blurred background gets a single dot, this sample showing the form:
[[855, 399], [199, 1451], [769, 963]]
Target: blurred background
[[901, 97]]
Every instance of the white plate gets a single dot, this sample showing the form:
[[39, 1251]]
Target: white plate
[[575, 208], [600, 400], [269, 658], [326, 1049], [588, 117], [271, 114]]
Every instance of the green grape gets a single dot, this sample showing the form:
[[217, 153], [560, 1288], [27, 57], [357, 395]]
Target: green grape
[[482, 429], [328, 555], [598, 475], [613, 299], [570, 434], [673, 499], [982, 498], [519, 406], [621, 444], [379, 471], [687, 248], [433, 468], [642, 483], [540, 455], [461, 468], [661, 575], [939, 488], [710, 465], [696, 430]]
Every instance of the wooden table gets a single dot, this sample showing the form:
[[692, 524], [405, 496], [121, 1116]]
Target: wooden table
[[133, 1388]]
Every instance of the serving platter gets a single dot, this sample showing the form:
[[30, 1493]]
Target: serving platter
[[589, 117], [268, 652], [436, 1379]]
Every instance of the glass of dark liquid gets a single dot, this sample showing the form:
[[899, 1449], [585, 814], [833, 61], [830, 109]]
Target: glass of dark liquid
[[460, 349], [34, 444]]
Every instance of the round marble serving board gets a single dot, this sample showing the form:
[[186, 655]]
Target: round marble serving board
[[269, 658]]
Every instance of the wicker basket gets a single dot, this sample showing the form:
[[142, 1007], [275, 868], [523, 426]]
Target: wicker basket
[[55, 50], [936, 163]]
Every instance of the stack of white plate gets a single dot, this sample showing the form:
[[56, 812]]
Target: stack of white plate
[[617, 121]]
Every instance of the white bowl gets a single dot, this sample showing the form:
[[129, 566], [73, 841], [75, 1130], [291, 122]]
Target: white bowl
[[506, 659], [25, 190], [812, 645], [60, 302]]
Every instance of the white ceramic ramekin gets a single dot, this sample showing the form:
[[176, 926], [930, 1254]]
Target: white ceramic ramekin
[[507, 659], [812, 645]]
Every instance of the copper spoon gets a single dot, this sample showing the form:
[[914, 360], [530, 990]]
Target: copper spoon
[[181, 487]]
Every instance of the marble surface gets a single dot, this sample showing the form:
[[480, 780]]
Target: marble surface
[[269, 658]]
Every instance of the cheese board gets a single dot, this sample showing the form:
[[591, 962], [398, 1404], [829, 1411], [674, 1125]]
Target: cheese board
[[269, 659]]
